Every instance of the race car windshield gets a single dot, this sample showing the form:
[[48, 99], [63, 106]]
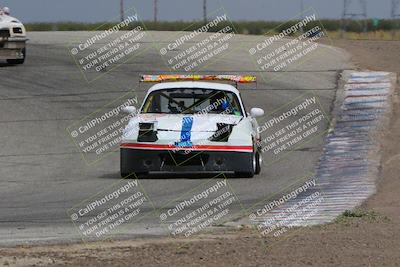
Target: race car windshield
[[191, 101]]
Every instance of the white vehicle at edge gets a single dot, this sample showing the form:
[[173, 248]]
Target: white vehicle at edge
[[192, 127], [12, 39]]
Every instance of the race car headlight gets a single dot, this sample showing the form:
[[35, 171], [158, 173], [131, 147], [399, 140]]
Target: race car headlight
[[17, 30], [147, 133], [222, 133]]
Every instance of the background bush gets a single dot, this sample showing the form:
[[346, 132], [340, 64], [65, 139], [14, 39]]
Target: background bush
[[244, 27]]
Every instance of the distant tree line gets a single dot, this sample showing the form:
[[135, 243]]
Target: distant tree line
[[243, 27]]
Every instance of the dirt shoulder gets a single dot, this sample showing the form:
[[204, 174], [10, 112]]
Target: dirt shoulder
[[369, 236]]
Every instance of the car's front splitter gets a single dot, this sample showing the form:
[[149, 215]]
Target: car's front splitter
[[171, 161]]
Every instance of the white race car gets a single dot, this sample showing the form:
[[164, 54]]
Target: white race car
[[12, 39], [192, 126]]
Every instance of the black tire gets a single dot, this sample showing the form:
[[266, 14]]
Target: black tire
[[258, 163], [127, 170], [244, 174], [124, 171], [250, 169], [18, 61], [140, 175]]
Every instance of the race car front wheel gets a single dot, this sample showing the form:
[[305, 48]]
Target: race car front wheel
[[258, 158], [253, 167], [126, 170]]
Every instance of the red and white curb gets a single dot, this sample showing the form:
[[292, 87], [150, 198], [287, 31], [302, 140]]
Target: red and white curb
[[349, 166]]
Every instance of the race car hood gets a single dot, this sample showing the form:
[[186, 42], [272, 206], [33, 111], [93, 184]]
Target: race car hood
[[6, 21], [200, 123], [185, 129]]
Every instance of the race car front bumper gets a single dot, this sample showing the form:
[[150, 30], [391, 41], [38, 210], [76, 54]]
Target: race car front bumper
[[12, 48], [172, 161]]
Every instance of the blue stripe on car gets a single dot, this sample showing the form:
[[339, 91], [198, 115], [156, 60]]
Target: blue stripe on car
[[187, 123]]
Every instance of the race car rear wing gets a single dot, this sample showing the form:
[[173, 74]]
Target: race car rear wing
[[237, 79]]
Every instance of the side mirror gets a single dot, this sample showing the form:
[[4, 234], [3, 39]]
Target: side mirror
[[129, 110], [256, 112]]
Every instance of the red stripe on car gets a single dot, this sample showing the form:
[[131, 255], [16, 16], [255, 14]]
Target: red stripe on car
[[199, 147]]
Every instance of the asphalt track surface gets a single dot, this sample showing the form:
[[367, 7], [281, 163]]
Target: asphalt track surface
[[42, 174]]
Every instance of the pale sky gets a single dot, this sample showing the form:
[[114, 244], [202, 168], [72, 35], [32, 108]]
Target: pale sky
[[106, 10]]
